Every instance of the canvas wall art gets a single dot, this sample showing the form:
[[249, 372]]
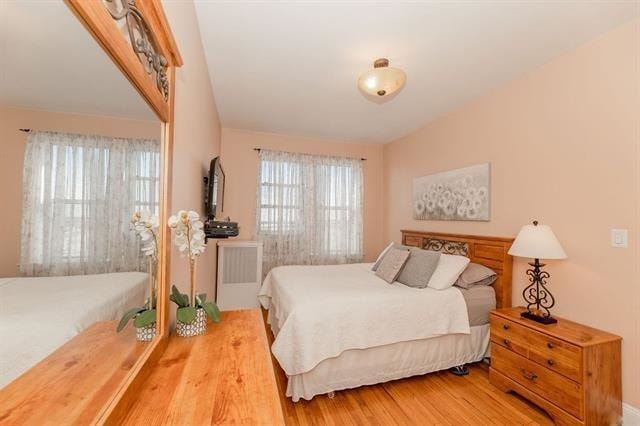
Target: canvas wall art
[[461, 194]]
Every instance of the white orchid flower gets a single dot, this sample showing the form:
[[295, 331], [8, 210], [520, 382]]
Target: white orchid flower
[[145, 226], [173, 221], [188, 234]]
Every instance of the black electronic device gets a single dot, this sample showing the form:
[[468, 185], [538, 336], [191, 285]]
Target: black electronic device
[[221, 229], [214, 189]]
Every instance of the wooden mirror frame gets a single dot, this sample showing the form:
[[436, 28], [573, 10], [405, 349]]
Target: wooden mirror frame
[[104, 28]]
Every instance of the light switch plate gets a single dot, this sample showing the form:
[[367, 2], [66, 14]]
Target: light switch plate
[[620, 238]]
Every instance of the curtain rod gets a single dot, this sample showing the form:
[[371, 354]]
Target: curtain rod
[[260, 149], [25, 130]]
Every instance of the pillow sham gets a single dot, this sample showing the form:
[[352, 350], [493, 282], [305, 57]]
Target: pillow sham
[[384, 253], [449, 269], [381, 256], [475, 275], [392, 264], [419, 268]]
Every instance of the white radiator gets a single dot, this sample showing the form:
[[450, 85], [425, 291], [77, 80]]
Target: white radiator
[[239, 274]]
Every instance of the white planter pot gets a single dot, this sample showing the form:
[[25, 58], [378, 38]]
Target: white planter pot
[[198, 326], [146, 333]]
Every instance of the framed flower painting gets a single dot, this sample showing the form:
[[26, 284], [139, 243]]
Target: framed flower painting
[[461, 194]]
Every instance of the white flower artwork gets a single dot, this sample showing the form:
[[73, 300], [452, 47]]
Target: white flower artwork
[[461, 194]]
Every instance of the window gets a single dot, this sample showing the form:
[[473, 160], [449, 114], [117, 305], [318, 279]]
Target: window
[[280, 203], [309, 209], [79, 194]]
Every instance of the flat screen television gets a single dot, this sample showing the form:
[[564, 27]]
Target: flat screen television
[[214, 192]]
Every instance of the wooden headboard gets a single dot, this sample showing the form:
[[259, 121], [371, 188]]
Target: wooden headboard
[[488, 251]]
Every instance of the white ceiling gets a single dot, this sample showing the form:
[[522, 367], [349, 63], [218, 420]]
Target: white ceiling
[[49, 61], [291, 66]]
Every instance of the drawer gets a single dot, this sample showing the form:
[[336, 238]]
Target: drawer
[[413, 241], [546, 383], [509, 334], [556, 355]]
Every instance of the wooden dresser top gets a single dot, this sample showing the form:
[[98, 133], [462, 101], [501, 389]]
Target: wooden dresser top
[[569, 331], [222, 377], [74, 383]]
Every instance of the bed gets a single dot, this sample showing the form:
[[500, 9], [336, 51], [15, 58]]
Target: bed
[[339, 327], [40, 314]]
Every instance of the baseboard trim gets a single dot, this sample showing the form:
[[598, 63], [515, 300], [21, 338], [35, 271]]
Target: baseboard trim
[[630, 415]]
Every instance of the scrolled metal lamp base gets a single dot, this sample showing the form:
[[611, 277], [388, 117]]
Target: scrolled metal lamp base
[[538, 318], [539, 298]]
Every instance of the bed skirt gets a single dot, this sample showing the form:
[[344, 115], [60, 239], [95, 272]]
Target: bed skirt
[[359, 367]]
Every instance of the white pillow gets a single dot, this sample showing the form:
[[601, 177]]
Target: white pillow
[[449, 269]]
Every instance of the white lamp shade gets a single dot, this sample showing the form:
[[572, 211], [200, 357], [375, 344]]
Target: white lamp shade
[[537, 242]]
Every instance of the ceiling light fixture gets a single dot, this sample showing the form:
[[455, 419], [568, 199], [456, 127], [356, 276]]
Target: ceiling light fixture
[[382, 82]]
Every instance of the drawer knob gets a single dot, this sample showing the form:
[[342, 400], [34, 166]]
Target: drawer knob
[[550, 345], [506, 342], [505, 326], [528, 375], [550, 362]]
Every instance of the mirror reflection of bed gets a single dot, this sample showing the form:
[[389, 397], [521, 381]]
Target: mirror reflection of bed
[[81, 155]]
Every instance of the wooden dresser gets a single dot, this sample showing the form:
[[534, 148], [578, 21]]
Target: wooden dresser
[[222, 377], [74, 384], [570, 370]]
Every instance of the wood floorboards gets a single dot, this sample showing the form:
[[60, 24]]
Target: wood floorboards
[[433, 399]]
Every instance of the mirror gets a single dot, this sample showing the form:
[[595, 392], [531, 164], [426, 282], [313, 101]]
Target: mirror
[[81, 185]]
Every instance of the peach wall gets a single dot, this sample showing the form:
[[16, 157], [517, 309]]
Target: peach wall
[[240, 163], [11, 161], [563, 142], [196, 136]]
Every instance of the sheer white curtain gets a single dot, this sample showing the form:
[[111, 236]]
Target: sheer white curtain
[[79, 193], [309, 209]]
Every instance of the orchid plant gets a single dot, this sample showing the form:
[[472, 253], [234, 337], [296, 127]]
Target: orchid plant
[[189, 238], [145, 227]]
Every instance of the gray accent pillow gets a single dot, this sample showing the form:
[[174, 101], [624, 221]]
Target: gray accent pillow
[[386, 251], [392, 264], [476, 274], [419, 267]]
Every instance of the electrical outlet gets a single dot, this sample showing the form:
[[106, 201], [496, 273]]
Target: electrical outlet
[[620, 238]]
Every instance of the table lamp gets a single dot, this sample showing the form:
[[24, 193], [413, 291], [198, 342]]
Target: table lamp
[[537, 242]]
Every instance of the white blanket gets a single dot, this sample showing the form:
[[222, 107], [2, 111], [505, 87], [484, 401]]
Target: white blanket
[[322, 311], [38, 315]]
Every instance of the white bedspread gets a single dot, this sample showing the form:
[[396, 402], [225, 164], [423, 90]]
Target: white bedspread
[[322, 311], [38, 315]]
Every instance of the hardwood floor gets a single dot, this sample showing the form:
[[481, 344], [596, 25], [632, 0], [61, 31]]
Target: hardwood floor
[[433, 399]]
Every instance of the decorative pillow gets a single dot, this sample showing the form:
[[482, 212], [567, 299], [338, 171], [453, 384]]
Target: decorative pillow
[[381, 256], [419, 268], [449, 269], [476, 274], [392, 264], [384, 253]]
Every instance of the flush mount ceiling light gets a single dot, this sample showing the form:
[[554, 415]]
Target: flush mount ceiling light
[[382, 82]]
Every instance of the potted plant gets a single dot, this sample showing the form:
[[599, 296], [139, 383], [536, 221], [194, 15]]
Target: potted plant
[[144, 318], [193, 308]]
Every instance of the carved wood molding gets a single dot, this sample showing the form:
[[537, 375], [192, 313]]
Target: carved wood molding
[[155, 43], [142, 39]]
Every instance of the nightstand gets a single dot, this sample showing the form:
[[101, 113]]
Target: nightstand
[[571, 371]]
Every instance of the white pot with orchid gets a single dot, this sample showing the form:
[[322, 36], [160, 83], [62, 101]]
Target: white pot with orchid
[[145, 227], [189, 238]]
